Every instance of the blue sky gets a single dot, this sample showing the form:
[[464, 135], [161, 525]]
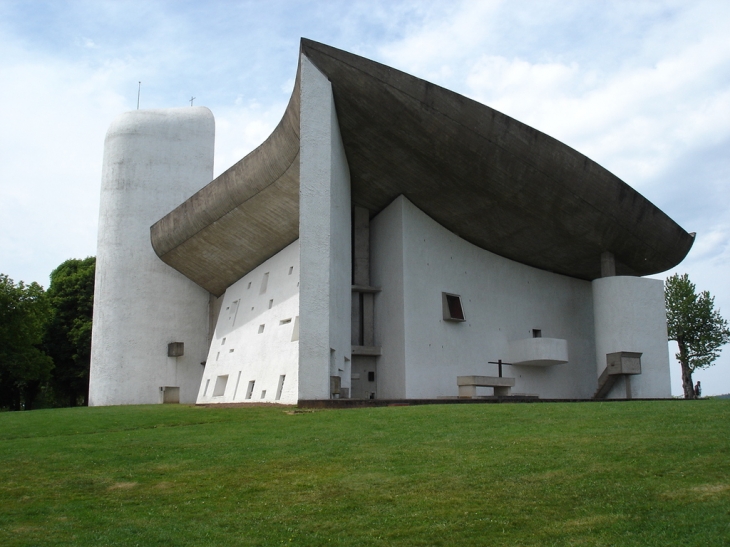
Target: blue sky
[[643, 88]]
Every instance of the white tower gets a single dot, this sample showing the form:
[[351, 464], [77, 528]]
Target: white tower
[[153, 161]]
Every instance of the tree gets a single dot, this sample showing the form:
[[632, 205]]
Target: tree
[[24, 367], [68, 335], [696, 326]]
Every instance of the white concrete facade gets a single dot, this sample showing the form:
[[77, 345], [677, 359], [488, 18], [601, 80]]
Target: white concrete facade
[[254, 354], [324, 231], [415, 259], [284, 329], [630, 316], [153, 161]]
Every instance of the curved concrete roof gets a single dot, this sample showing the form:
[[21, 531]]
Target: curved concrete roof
[[492, 180]]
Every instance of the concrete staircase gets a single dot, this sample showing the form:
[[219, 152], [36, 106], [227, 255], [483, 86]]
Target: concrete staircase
[[605, 382]]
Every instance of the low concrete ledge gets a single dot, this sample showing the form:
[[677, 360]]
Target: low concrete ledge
[[538, 352], [468, 385], [366, 350], [485, 381]]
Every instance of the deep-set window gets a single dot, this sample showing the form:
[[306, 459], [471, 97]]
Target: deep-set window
[[452, 308]]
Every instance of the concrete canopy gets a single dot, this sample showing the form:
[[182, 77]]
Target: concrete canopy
[[490, 179]]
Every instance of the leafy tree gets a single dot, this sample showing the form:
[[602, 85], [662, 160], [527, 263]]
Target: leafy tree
[[68, 335], [696, 326], [24, 367]]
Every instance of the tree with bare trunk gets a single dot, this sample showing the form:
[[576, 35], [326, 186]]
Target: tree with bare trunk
[[696, 326]]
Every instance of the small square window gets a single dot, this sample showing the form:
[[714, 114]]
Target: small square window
[[371, 376], [536, 333], [261, 328], [452, 309]]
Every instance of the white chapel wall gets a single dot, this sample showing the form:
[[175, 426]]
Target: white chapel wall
[[153, 161], [254, 353], [324, 232], [630, 315], [503, 301]]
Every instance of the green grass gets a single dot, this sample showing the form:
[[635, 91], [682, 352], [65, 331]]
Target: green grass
[[637, 473]]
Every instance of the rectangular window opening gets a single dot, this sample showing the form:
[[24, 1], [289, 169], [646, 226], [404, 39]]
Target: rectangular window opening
[[285, 321], [220, 385], [235, 391], [249, 285], [230, 350], [207, 383], [271, 303], [536, 333], [291, 269], [280, 386], [249, 391], [263, 393], [223, 343], [264, 283], [295, 330], [452, 309], [217, 355], [371, 376], [261, 328]]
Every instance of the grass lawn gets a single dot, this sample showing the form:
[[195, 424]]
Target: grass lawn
[[633, 473]]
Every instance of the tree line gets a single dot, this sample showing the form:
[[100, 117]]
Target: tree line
[[45, 338]]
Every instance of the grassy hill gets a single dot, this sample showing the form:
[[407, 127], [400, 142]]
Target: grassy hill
[[629, 473]]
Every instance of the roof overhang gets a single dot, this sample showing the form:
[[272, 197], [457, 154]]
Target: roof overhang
[[490, 179]]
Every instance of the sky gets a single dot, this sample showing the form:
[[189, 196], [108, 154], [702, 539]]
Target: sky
[[642, 88]]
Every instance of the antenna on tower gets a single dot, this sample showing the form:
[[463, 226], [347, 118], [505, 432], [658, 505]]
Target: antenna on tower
[[139, 89]]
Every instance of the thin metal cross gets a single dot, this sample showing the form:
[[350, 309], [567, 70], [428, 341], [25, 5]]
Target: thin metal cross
[[500, 363], [191, 100]]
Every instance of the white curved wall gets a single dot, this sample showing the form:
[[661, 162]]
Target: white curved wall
[[153, 161], [414, 259], [629, 315]]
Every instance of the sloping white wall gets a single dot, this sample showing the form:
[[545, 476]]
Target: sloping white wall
[[415, 259], [153, 161], [255, 337], [324, 235], [630, 315]]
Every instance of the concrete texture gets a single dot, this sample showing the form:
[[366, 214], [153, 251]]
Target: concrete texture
[[538, 352], [325, 241], [245, 216], [486, 177], [630, 317], [254, 338], [153, 160], [468, 385], [414, 260]]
